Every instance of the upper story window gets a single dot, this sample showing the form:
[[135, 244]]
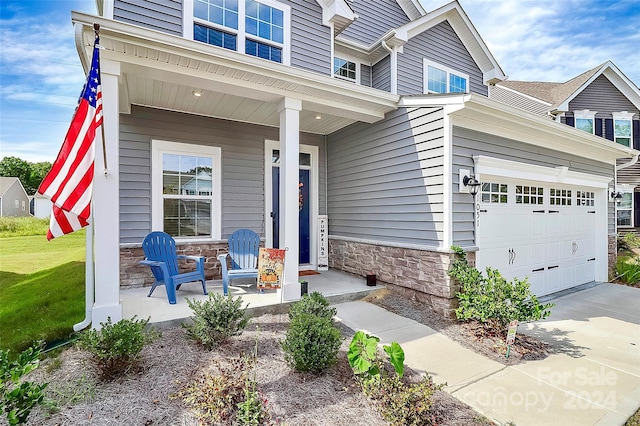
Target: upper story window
[[622, 129], [255, 27], [584, 120], [441, 79], [345, 69]]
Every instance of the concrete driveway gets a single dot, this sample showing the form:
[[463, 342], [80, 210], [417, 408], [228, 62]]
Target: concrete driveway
[[592, 377]]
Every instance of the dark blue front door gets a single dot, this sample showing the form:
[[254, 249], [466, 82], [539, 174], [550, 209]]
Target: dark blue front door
[[304, 209]]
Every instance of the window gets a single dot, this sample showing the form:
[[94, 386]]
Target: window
[[622, 132], [529, 194], [344, 69], [560, 197], [440, 79], [494, 193], [624, 210], [584, 198], [186, 190], [584, 120], [24, 206], [255, 27]]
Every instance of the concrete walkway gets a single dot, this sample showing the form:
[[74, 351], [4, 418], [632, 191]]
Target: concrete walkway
[[592, 379]]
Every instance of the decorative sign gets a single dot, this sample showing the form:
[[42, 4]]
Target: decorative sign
[[323, 243], [511, 334], [270, 267]]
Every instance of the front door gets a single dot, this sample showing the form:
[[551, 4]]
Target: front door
[[307, 181]]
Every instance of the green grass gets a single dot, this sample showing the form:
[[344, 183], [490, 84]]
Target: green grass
[[22, 226], [41, 285]]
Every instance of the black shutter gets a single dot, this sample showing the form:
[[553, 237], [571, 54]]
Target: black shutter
[[599, 127], [608, 128], [636, 138], [636, 209], [569, 121]]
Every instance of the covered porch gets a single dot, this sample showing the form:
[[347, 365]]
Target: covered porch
[[335, 285]]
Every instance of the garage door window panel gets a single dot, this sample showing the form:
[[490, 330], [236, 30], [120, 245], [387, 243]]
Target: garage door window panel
[[560, 197], [495, 193], [533, 195]]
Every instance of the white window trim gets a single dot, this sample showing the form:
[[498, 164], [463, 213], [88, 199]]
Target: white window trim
[[350, 59], [159, 147], [623, 115], [188, 20], [425, 75], [626, 190], [585, 114]]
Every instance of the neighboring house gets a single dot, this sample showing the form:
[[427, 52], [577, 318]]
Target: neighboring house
[[377, 107], [41, 206], [14, 200], [601, 101]]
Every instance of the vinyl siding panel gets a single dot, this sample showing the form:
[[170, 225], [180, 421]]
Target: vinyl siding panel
[[160, 15], [242, 166], [385, 180], [467, 143], [603, 97], [517, 100], [365, 75], [630, 175], [441, 45], [375, 18], [310, 40], [381, 77]]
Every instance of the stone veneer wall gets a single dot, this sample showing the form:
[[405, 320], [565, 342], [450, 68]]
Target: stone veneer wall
[[420, 274], [132, 274], [613, 254]]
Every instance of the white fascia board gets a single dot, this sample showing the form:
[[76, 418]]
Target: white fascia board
[[482, 114], [412, 8], [337, 12]]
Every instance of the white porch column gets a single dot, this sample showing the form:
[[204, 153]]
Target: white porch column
[[289, 110], [106, 205]]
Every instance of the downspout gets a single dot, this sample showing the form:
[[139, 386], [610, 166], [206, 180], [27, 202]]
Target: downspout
[[88, 279], [394, 66], [633, 161]]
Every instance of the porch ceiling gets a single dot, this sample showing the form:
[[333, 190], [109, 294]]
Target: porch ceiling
[[162, 71]]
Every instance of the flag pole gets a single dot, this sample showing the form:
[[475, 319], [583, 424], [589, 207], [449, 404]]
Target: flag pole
[[96, 30]]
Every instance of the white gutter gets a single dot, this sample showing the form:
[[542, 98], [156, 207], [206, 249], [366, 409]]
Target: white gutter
[[88, 279], [394, 66], [633, 161]]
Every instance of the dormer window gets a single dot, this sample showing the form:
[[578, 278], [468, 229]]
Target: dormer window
[[622, 129], [441, 79], [255, 27], [584, 120], [345, 69]]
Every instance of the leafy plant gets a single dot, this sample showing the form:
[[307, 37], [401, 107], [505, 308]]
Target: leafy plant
[[628, 270], [116, 346], [364, 360], [251, 411], [493, 300], [18, 397], [628, 241], [311, 343], [312, 304], [216, 319]]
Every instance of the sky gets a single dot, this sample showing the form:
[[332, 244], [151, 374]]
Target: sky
[[41, 76]]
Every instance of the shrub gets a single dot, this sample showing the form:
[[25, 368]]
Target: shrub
[[312, 304], [17, 397], [493, 300], [311, 344], [628, 270], [628, 241], [216, 319], [116, 346]]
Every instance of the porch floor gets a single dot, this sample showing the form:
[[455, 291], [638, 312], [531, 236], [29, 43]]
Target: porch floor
[[335, 285]]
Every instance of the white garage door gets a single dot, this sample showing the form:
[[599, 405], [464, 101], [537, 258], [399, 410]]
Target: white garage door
[[543, 231]]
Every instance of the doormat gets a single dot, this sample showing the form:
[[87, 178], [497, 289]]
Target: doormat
[[307, 272]]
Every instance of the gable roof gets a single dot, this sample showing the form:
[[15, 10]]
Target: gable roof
[[558, 95], [8, 182]]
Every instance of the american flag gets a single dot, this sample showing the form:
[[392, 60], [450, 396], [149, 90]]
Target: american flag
[[69, 183]]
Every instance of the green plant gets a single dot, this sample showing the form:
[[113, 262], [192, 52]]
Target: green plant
[[116, 346], [251, 411], [628, 241], [312, 304], [402, 403], [493, 300], [18, 397], [364, 360], [216, 319], [311, 343], [628, 270]]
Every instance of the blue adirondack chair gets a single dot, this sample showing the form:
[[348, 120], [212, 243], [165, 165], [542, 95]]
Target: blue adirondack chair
[[243, 251], [160, 254]]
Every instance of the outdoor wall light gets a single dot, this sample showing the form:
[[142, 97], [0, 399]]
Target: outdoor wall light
[[197, 93], [468, 182], [616, 196]]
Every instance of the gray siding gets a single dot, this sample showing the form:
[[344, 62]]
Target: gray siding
[[517, 100], [375, 17], [242, 166], [8, 201], [310, 40], [603, 97], [385, 181], [381, 77], [630, 175], [365, 75], [441, 45], [160, 15], [467, 143]]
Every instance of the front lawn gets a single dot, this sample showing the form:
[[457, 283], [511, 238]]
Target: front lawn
[[41, 288]]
